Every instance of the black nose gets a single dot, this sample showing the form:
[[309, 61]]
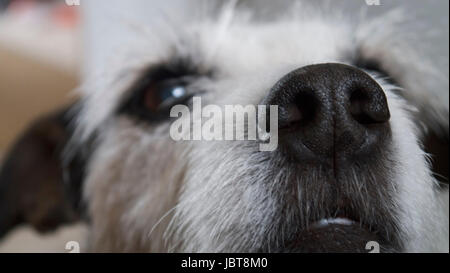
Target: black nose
[[330, 110]]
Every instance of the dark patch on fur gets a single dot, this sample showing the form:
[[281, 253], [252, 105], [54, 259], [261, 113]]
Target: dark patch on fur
[[32, 188], [435, 140], [437, 147], [376, 66]]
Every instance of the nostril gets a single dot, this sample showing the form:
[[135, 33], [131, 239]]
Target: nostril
[[299, 112], [369, 106], [294, 114], [358, 104]]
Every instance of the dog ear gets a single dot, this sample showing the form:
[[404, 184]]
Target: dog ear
[[35, 186]]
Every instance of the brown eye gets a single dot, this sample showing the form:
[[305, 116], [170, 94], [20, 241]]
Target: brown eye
[[152, 97], [165, 94], [160, 88]]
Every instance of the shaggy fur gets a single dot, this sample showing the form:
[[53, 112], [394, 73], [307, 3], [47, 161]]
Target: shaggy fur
[[145, 192]]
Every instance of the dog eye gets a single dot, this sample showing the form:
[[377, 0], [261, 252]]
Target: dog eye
[[163, 95], [154, 94], [375, 66]]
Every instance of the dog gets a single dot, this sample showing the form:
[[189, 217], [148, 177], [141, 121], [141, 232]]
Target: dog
[[362, 153]]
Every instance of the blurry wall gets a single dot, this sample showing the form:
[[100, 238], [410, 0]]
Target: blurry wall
[[38, 62], [28, 88]]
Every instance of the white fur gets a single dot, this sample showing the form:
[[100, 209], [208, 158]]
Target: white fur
[[219, 196]]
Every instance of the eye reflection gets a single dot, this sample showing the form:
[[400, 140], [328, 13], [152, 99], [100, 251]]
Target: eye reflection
[[164, 95]]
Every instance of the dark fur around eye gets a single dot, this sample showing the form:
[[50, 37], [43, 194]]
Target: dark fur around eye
[[434, 143], [375, 66], [158, 89]]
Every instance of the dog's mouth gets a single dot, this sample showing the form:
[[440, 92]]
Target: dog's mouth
[[339, 234], [344, 209], [335, 235]]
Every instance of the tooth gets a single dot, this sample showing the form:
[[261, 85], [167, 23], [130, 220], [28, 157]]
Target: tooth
[[338, 221]]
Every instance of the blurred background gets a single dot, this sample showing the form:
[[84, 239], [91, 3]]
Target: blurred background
[[39, 60], [39, 66], [47, 47]]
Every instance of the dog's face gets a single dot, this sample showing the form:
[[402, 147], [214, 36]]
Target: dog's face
[[356, 109]]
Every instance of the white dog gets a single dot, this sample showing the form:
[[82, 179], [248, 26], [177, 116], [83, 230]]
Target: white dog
[[363, 124]]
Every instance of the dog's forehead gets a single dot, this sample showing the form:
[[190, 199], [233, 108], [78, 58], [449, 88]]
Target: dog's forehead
[[153, 29], [246, 47]]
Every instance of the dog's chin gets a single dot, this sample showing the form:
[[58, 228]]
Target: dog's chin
[[335, 235]]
